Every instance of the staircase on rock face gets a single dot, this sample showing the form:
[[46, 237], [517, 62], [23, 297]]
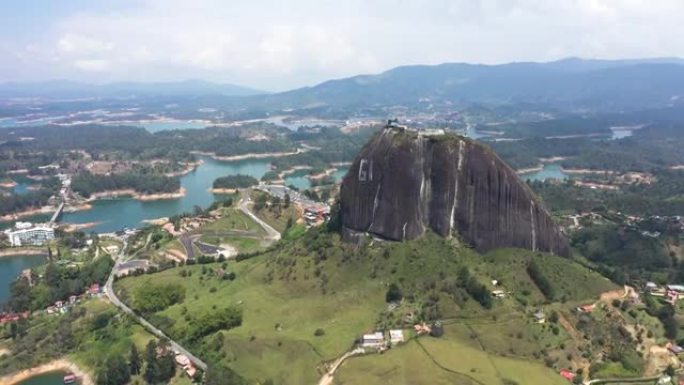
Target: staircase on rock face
[[405, 182]]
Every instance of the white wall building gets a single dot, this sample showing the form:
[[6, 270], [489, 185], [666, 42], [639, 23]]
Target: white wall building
[[26, 234]]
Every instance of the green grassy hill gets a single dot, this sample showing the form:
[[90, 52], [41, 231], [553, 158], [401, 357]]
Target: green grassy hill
[[318, 282]]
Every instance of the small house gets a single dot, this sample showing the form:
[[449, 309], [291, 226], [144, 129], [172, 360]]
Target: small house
[[568, 375], [396, 336], [539, 317], [498, 293], [586, 308], [190, 371], [94, 289], [373, 340]]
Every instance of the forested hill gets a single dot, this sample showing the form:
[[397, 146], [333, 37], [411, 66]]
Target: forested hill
[[566, 84]]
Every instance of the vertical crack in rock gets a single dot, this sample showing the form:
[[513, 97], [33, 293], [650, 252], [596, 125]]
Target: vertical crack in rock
[[375, 206]]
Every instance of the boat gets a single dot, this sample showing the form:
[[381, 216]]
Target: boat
[[69, 378]]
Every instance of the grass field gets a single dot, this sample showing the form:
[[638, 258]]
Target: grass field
[[452, 359], [279, 318], [318, 282], [236, 229], [232, 219]]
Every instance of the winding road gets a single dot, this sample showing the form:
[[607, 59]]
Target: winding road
[[272, 233], [109, 291]]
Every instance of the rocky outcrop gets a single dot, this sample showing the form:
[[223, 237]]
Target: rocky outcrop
[[404, 183]]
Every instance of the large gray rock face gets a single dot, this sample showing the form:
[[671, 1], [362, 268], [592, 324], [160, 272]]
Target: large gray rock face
[[402, 184]]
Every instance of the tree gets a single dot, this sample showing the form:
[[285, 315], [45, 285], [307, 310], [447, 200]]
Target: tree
[[393, 293], [151, 371], [161, 366], [286, 201], [134, 360], [260, 202], [115, 372]]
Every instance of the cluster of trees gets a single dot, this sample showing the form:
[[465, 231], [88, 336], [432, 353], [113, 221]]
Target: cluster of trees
[[57, 284], [235, 181], [540, 280], [621, 246], [151, 298], [474, 288], [158, 363], [86, 183], [211, 322], [393, 294]]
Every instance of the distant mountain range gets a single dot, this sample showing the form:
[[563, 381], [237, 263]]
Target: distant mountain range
[[568, 84], [65, 89]]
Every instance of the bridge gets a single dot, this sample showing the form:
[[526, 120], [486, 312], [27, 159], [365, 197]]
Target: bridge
[[57, 213]]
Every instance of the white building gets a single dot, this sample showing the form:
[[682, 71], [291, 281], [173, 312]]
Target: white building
[[26, 234], [396, 336], [373, 340]]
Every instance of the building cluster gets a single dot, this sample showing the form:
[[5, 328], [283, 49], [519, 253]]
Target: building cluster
[[185, 364], [28, 234], [378, 340], [672, 293], [316, 213], [394, 125], [63, 307]]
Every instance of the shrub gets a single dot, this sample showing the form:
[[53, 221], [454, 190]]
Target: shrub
[[319, 332]]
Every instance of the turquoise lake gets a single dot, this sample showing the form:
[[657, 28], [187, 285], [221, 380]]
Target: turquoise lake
[[50, 378], [113, 214], [550, 171]]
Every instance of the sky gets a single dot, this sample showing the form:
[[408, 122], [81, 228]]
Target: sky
[[277, 45]]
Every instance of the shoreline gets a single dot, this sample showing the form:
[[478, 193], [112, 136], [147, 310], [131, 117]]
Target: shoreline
[[61, 364], [252, 155], [224, 190], [586, 171], [47, 210], [529, 170], [17, 252], [135, 195], [87, 205], [321, 175], [8, 184], [189, 167], [553, 159]]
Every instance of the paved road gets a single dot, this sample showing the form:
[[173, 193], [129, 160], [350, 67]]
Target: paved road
[[272, 233], [109, 291]]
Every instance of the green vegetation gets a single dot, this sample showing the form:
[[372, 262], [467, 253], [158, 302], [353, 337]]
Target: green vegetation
[[91, 334], [663, 197], [235, 181], [540, 280], [453, 359], [13, 202], [153, 298], [306, 302], [278, 213], [58, 282], [86, 183]]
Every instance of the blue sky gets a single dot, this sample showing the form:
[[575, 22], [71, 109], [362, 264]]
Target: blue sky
[[276, 45]]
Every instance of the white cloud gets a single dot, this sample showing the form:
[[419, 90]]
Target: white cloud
[[276, 45], [92, 65]]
